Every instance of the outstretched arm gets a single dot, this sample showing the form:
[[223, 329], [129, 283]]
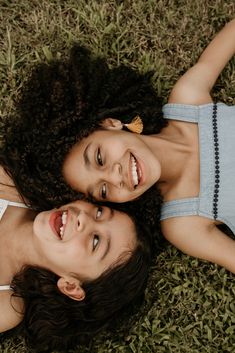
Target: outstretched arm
[[195, 85], [7, 187], [199, 237]]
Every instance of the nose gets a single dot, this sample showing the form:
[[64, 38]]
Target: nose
[[84, 228], [85, 221], [115, 175]]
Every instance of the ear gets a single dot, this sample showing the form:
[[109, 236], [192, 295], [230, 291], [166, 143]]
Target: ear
[[111, 124], [71, 287]]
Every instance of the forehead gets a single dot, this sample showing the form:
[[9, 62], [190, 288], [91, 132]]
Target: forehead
[[74, 165], [123, 227], [98, 136], [76, 169]]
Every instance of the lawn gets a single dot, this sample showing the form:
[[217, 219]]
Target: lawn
[[189, 304]]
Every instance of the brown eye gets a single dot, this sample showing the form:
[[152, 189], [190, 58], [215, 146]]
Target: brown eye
[[99, 212], [103, 191], [99, 158], [96, 240]]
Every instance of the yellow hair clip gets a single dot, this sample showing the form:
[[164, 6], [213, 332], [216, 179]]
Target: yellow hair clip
[[136, 125]]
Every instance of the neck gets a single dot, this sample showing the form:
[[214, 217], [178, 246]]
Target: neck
[[171, 153]]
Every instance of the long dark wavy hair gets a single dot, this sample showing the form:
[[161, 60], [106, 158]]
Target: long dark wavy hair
[[61, 103], [54, 321]]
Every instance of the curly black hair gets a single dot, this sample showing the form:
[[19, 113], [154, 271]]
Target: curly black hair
[[61, 103]]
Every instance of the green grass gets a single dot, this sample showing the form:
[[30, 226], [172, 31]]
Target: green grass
[[189, 306]]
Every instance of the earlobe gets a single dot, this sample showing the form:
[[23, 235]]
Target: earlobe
[[111, 124], [71, 287]]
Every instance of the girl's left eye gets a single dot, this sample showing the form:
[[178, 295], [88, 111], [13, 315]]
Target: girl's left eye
[[104, 192], [99, 212], [99, 158], [96, 240]]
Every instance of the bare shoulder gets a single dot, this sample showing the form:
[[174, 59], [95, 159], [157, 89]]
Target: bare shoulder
[[12, 311], [7, 187], [5, 178]]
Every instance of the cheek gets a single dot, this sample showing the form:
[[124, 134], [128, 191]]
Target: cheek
[[128, 195], [75, 177], [121, 224], [74, 250], [115, 146]]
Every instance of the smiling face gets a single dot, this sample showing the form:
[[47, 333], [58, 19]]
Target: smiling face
[[115, 166], [83, 238]]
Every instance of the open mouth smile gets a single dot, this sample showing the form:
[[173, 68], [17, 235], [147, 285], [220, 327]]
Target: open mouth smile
[[58, 222]]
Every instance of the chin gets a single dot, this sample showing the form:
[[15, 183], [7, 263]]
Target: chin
[[40, 223]]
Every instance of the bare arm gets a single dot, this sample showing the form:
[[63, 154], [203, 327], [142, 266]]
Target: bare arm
[[195, 85], [7, 187], [10, 317], [199, 237]]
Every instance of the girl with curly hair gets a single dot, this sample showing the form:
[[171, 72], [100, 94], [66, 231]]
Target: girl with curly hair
[[62, 103]]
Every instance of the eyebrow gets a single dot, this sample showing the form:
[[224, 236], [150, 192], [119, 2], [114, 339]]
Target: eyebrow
[[85, 156]]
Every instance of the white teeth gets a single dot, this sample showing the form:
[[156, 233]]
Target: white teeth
[[64, 219], [134, 171]]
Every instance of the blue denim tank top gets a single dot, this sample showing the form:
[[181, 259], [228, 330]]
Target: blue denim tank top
[[216, 127]]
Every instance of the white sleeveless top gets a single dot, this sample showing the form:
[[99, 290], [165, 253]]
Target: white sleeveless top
[[3, 206]]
